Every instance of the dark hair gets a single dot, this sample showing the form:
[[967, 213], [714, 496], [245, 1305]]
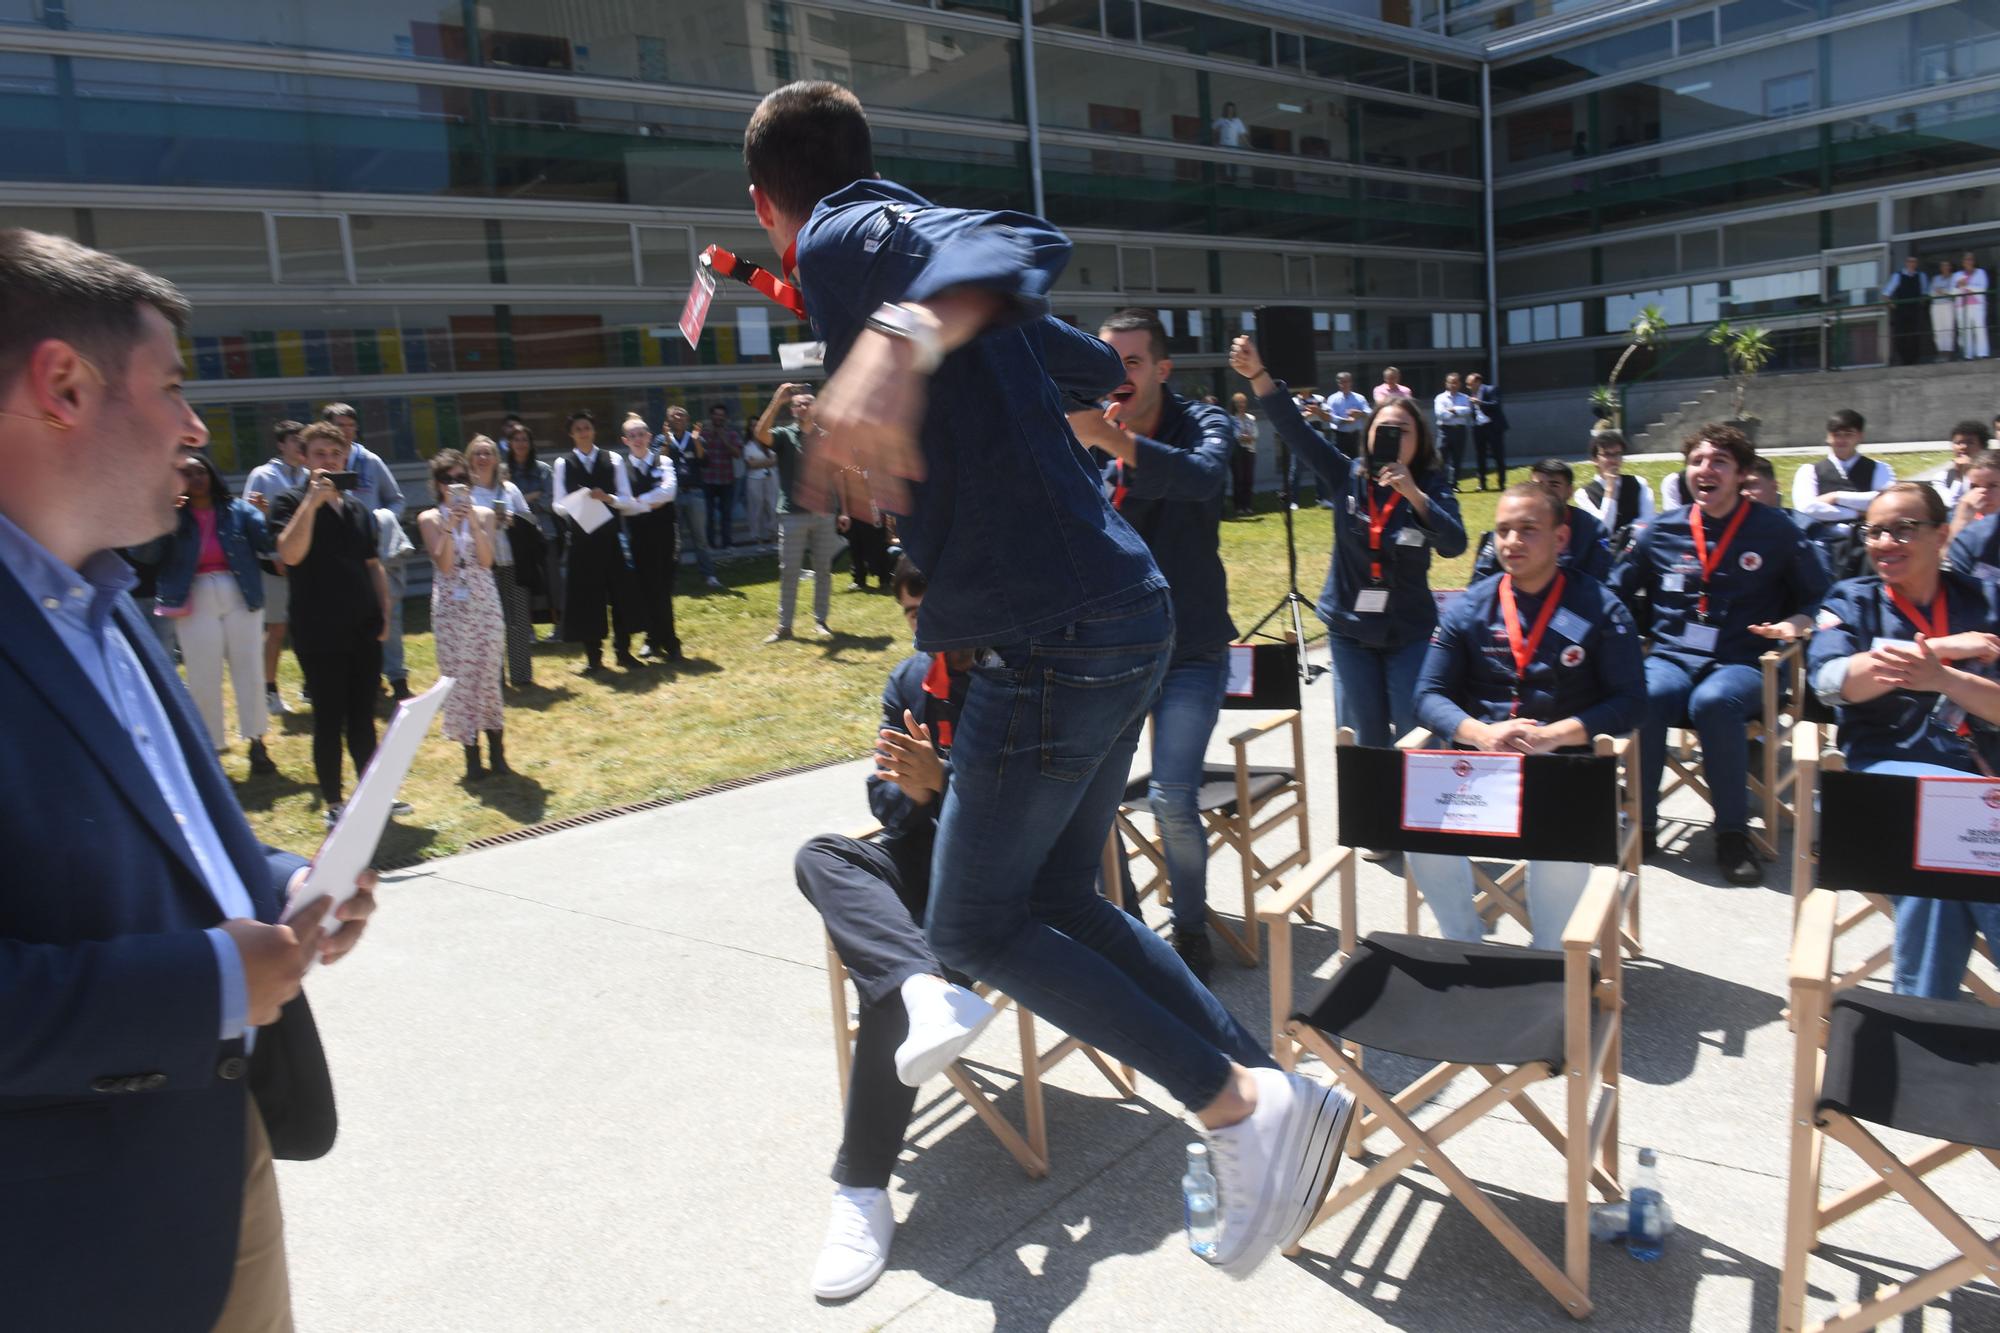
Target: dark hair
[[507, 443], [444, 461], [1426, 459], [1554, 467], [335, 411], [51, 287], [1846, 418], [719, 407], [1133, 319], [286, 428], [321, 430], [581, 414], [1934, 507], [1528, 490], [1972, 428], [805, 141], [1726, 438], [1761, 466], [1476, 375], [1606, 439], [219, 493], [511, 416], [908, 581]]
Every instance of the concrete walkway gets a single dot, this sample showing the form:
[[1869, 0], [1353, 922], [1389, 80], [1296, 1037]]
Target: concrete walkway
[[586, 1082]]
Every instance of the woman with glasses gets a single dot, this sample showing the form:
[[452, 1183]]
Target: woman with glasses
[[1904, 656], [458, 536]]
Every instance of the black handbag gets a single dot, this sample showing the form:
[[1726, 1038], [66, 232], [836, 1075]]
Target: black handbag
[[293, 1088], [530, 555]]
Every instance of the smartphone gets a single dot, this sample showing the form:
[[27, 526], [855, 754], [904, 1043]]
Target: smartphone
[[344, 481], [458, 494], [1387, 444]]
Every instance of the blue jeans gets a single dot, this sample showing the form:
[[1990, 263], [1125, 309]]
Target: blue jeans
[[1719, 709], [398, 572], [1183, 716], [694, 529], [1934, 935], [721, 512], [1447, 885], [1040, 759], [1375, 689]]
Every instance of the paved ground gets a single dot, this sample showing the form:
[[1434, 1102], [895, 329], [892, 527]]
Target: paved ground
[[587, 1082]]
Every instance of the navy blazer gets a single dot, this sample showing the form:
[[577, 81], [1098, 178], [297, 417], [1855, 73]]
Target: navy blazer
[[121, 1112]]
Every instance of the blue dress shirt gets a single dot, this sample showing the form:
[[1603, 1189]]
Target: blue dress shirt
[[78, 606]]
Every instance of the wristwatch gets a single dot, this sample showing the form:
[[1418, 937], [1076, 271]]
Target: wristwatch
[[913, 327]]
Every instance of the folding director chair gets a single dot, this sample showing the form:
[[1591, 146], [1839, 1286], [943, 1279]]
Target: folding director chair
[[1815, 761], [1773, 783], [1506, 893], [1515, 1016], [1862, 1058], [1241, 803], [1031, 1149]]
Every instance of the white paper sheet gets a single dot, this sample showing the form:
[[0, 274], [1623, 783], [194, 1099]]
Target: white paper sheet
[[351, 845], [589, 512], [1958, 825], [1242, 671], [1461, 791]]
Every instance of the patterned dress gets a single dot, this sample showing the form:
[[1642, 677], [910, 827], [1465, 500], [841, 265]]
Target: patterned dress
[[471, 634]]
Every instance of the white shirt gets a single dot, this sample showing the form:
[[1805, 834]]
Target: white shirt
[[1942, 285], [1340, 404], [622, 486], [1453, 408], [508, 497], [1230, 131], [1607, 513], [664, 493], [1805, 491], [1971, 285]]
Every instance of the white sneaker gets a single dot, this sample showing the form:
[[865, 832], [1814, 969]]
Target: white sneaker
[[332, 815], [857, 1243], [944, 1020], [274, 702], [1273, 1169], [402, 809]]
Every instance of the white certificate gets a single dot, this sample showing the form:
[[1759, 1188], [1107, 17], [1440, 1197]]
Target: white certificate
[[1242, 671], [1958, 825], [1462, 791], [589, 512], [351, 845]]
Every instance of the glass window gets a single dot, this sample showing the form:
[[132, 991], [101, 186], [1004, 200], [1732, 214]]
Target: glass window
[[1744, 19], [1086, 90], [1542, 273], [51, 221], [1393, 135], [1121, 19], [309, 249], [1859, 225], [188, 247], [1333, 275], [1390, 279], [1078, 15], [1247, 273], [419, 251], [1283, 117], [1628, 261], [1135, 267], [1180, 272], [1701, 249], [566, 254], [663, 256], [1092, 268], [1694, 32], [1773, 293], [372, 27], [1771, 238], [1204, 34], [1357, 64], [1935, 210], [1938, 138], [1788, 94]]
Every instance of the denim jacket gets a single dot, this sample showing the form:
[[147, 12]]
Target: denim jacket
[[1010, 520], [1407, 541], [240, 529]]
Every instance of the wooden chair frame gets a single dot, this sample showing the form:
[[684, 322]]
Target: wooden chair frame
[[1588, 1139], [1814, 984], [1241, 831], [1773, 785], [1506, 892], [1029, 1149], [1812, 754]]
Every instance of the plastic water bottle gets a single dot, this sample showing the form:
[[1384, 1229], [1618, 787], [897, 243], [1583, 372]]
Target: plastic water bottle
[[1198, 1201], [1645, 1230]]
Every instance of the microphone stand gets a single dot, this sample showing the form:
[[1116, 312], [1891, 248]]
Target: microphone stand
[[1293, 604]]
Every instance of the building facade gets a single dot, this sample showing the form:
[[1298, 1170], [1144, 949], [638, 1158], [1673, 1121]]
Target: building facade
[[447, 212]]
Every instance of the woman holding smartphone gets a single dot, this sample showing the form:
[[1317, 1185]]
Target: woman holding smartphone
[[465, 611], [1391, 510]]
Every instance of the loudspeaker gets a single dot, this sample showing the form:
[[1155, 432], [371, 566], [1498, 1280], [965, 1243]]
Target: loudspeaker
[[1285, 341]]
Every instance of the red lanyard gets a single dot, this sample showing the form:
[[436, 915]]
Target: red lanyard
[[937, 684], [1710, 559], [1377, 520], [1939, 623], [1524, 649], [762, 279]]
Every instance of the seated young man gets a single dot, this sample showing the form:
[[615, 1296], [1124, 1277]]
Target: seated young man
[[1902, 655], [1586, 550], [872, 897], [1975, 532], [1619, 501], [1536, 659], [1724, 577]]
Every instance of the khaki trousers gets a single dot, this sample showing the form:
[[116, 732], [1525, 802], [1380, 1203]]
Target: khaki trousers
[[260, 1295]]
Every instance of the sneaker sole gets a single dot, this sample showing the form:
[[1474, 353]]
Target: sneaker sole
[[1299, 1179], [1323, 1168], [854, 1287], [1277, 1192]]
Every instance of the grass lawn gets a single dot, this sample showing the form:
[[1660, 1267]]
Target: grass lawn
[[736, 708]]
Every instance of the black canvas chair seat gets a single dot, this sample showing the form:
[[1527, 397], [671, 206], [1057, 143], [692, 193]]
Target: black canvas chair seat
[[1447, 1001], [1929, 1067], [1217, 794]]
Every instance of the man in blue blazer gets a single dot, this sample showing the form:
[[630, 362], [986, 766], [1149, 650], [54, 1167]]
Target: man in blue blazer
[[139, 950]]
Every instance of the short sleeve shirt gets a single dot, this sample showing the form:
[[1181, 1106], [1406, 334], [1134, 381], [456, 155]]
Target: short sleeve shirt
[[334, 605]]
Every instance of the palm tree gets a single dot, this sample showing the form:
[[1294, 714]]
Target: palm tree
[[1748, 350], [1648, 329]]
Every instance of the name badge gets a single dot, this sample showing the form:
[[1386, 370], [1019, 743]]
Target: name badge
[[1371, 601], [1570, 625], [1702, 638], [1673, 583], [1410, 536], [1986, 573]]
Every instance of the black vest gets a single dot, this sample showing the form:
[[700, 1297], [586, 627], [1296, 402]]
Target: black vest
[[1628, 501], [644, 477], [599, 474], [1860, 477]]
